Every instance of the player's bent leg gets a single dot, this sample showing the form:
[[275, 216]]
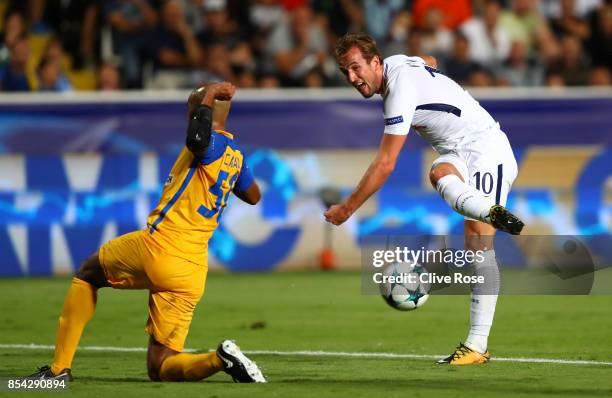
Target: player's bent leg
[[121, 259], [165, 364], [79, 307], [178, 285], [169, 318], [459, 195], [469, 201]]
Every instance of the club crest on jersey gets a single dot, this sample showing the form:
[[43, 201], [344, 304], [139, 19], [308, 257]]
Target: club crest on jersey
[[394, 120], [169, 180]]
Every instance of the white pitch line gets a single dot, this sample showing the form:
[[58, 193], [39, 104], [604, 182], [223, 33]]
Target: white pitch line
[[33, 346], [420, 356], [323, 354]]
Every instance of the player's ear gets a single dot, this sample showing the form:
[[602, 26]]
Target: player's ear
[[376, 60], [220, 113]]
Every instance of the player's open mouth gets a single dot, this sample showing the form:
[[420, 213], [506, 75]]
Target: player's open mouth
[[360, 86]]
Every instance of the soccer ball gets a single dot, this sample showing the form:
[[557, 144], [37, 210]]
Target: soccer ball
[[408, 291]]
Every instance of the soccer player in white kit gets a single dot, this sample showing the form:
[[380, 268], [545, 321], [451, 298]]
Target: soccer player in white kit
[[473, 173]]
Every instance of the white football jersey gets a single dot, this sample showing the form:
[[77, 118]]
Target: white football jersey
[[440, 110]]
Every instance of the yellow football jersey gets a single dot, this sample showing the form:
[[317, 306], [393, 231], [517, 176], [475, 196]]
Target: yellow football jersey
[[195, 195]]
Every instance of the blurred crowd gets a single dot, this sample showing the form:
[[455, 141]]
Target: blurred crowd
[[63, 45]]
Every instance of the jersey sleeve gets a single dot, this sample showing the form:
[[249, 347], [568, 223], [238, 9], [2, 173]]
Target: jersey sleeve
[[414, 60], [245, 178], [399, 103]]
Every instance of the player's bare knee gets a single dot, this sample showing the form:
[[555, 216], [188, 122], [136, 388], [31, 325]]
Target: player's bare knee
[[441, 170], [433, 177], [85, 270], [436, 173], [91, 272]]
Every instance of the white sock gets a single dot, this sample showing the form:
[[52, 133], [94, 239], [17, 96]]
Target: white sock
[[463, 198], [484, 299]]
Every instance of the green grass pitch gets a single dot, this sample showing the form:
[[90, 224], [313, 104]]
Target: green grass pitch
[[320, 312]]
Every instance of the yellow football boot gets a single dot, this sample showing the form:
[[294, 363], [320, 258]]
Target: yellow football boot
[[465, 356]]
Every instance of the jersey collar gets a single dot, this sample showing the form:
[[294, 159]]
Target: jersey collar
[[226, 133], [384, 82]]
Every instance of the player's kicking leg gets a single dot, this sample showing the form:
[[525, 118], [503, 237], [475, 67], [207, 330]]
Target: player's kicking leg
[[479, 236], [470, 202], [79, 307]]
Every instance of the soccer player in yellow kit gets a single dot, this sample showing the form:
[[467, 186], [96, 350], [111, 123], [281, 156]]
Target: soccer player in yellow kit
[[169, 257]]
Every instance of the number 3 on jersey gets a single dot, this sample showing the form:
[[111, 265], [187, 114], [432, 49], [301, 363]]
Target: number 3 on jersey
[[221, 195]]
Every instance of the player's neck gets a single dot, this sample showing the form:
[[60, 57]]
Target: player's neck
[[382, 84]]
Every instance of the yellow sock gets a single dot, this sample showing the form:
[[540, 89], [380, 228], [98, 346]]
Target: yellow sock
[[190, 367], [79, 307]]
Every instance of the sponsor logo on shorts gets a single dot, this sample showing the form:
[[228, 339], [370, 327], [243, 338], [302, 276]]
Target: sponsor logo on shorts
[[394, 120]]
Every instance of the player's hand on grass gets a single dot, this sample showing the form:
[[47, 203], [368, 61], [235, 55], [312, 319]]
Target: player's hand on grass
[[337, 214]]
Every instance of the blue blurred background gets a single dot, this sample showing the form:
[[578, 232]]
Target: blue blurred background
[[93, 101], [77, 171]]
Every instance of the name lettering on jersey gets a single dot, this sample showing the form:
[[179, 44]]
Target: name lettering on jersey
[[231, 161], [169, 180], [394, 120]]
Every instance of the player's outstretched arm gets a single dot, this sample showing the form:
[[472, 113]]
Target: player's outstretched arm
[[374, 178]]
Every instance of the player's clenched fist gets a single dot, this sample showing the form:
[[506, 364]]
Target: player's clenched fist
[[208, 93], [337, 214], [223, 91]]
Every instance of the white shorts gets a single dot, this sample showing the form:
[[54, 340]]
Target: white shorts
[[487, 164]]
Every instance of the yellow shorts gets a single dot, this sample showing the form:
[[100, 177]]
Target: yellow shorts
[[133, 261]]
